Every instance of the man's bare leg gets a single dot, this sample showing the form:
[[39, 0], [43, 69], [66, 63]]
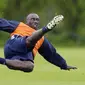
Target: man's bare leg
[[26, 66]]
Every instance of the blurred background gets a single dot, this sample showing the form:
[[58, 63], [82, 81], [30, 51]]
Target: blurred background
[[71, 32], [68, 38]]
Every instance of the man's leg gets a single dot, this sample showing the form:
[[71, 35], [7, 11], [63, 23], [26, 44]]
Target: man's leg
[[26, 66], [39, 33]]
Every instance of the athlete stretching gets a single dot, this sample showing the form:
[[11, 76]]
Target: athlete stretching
[[26, 41]]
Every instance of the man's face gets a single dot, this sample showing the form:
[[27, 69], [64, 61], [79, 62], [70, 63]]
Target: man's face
[[33, 21]]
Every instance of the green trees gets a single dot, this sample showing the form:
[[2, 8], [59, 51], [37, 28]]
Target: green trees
[[70, 31]]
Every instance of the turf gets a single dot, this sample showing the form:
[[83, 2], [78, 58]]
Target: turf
[[47, 74]]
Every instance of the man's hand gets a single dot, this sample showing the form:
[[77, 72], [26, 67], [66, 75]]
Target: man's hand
[[70, 67]]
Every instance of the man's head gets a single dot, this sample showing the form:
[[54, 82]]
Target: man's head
[[33, 20]]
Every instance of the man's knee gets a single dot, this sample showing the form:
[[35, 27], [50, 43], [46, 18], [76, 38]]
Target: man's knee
[[29, 66], [30, 42]]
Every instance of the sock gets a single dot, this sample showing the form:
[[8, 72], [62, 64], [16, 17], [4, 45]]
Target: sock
[[45, 29], [2, 61]]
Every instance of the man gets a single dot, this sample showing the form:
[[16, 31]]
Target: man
[[26, 40]]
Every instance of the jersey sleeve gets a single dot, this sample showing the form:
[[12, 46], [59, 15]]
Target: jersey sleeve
[[49, 53], [7, 25]]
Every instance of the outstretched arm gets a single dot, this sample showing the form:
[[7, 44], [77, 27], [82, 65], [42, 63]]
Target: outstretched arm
[[50, 54], [7, 25]]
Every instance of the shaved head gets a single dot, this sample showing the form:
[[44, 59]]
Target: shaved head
[[32, 20], [32, 15]]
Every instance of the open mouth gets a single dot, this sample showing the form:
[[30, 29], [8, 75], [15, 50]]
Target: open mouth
[[35, 24]]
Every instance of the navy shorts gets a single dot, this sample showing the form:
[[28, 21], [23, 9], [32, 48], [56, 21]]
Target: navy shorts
[[16, 48]]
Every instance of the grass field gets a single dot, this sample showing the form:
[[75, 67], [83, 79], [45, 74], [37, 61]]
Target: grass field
[[47, 74]]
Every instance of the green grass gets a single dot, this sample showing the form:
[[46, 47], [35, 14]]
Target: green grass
[[47, 74]]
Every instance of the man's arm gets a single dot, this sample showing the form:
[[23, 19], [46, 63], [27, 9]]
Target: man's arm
[[8, 25], [50, 54]]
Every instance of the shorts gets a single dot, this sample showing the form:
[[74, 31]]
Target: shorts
[[16, 48]]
